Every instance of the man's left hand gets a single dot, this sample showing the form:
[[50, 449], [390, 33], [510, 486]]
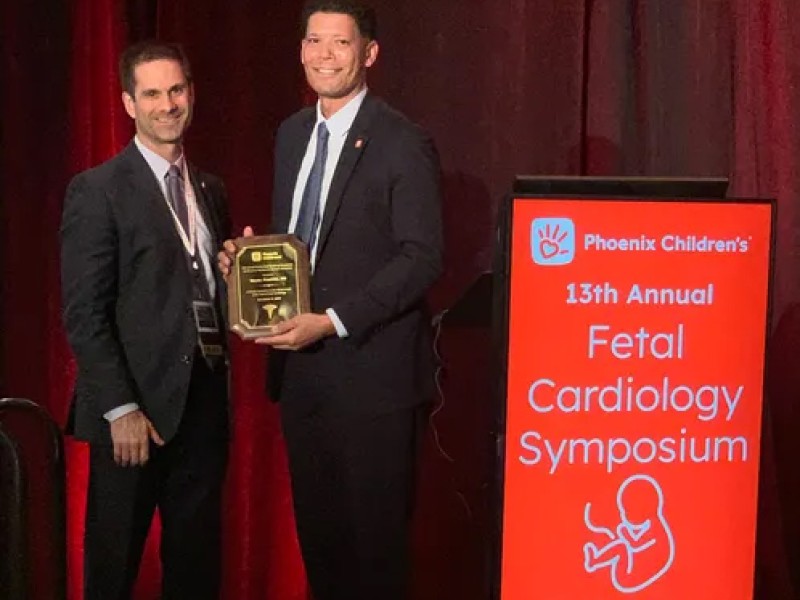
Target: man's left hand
[[299, 332]]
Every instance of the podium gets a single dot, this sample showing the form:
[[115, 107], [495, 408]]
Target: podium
[[630, 327]]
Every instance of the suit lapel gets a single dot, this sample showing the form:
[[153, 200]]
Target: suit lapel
[[294, 158], [204, 204], [354, 145], [145, 191]]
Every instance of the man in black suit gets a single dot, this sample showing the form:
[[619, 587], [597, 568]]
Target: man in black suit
[[141, 304], [353, 377]]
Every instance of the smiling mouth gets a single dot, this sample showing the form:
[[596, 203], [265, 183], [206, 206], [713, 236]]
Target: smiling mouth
[[169, 120]]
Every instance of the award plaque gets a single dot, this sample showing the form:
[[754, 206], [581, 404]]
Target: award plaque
[[268, 283]]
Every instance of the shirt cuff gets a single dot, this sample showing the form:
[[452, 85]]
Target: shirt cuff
[[341, 330], [120, 411]]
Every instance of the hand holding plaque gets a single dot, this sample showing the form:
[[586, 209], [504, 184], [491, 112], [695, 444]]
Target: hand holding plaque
[[268, 283]]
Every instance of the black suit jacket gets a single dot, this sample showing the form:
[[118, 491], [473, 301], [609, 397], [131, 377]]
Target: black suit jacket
[[379, 251], [127, 292]]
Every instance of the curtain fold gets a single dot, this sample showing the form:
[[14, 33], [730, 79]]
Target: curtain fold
[[98, 129], [766, 163]]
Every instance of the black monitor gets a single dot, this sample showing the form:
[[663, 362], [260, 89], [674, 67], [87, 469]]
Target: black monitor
[[656, 187]]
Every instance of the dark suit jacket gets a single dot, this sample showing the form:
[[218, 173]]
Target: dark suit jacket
[[379, 251], [127, 292]]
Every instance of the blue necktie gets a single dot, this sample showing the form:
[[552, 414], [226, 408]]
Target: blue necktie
[[309, 215], [177, 197]]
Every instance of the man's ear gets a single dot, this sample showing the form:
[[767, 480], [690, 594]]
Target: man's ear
[[129, 104], [371, 52]]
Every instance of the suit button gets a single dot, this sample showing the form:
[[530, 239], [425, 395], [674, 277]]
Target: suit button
[[186, 358]]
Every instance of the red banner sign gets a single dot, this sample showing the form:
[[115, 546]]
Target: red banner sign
[[634, 394]]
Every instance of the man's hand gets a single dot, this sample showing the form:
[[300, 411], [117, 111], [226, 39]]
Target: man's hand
[[229, 249], [299, 332], [131, 435]]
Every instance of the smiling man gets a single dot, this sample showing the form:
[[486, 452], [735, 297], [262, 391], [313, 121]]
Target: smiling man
[[142, 311], [359, 183]]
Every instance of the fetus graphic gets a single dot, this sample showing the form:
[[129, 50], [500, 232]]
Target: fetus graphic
[[641, 548]]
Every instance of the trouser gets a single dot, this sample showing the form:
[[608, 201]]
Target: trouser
[[184, 480], [353, 489]]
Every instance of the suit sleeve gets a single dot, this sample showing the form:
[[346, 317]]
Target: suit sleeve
[[416, 225], [89, 256], [281, 209], [222, 220], [221, 202]]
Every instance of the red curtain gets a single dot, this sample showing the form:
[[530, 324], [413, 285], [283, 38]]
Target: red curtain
[[766, 162], [35, 44], [98, 129], [654, 87]]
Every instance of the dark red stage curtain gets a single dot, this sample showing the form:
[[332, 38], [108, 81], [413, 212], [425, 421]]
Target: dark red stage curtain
[[34, 114], [766, 162], [98, 129], [34, 111]]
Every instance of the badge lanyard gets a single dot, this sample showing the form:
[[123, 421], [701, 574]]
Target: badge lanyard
[[204, 313]]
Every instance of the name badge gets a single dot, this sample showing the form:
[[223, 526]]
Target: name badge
[[205, 317]]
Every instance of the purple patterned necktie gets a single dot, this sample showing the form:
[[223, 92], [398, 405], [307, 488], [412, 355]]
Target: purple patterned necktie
[[176, 194]]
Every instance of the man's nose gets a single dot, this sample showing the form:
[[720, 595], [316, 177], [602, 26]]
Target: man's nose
[[168, 103], [327, 50]]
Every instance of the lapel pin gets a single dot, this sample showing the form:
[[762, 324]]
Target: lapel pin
[[359, 142]]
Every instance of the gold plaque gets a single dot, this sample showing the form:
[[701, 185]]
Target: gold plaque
[[268, 283]]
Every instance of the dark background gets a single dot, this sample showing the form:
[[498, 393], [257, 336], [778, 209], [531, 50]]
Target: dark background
[[622, 87]]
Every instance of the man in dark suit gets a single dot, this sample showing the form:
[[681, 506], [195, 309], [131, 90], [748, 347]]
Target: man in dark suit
[[359, 183], [141, 304]]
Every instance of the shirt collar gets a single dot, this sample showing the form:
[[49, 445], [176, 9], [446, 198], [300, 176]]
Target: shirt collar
[[339, 124], [158, 164]]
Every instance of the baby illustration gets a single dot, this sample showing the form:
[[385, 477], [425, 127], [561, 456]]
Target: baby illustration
[[641, 548]]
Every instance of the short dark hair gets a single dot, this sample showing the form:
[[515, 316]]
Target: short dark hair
[[363, 15], [148, 51]]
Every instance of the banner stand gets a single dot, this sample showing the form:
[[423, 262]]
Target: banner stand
[[630, 322]]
